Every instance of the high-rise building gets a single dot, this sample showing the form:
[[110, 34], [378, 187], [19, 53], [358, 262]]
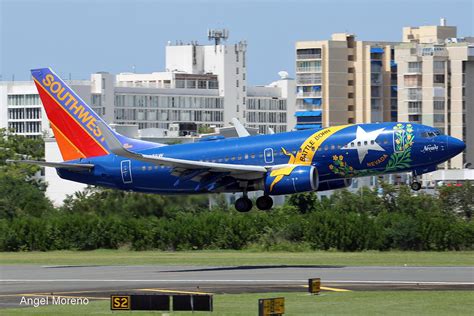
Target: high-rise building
[[343, 80], [436, 80]]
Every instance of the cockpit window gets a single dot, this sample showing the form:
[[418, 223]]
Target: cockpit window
[[430, 134]]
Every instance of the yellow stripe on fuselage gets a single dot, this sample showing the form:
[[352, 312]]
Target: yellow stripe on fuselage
[[305, 154]]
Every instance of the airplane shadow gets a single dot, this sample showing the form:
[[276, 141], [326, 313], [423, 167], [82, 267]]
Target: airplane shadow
[[257, 268]]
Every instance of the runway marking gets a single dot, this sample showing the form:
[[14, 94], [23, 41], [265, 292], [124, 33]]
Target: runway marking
[[239, 281], [172, 291], [332, 289]]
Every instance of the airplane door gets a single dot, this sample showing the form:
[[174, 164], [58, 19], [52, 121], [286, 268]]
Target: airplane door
[[126, 170], [268, 154]]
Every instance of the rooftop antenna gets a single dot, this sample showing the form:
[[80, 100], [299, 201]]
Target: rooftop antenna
[[218, 35]]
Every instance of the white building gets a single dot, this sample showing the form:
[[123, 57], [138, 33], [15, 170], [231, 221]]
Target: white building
[[202, 85]]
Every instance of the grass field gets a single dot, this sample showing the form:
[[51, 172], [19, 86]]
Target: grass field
[[227, 257], [328, 303]]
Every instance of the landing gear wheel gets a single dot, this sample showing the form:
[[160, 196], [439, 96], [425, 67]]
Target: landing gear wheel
[[415, 186], [243, 204], [264, 203]]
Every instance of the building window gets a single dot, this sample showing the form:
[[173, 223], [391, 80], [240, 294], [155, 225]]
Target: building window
[[438, 118], [350, 82], [438, 105], [350, 70], [350, 58], [350, 95], [438, 66], [438, 79], [414, 66], [237, 83], [202, 84], [237, 70]]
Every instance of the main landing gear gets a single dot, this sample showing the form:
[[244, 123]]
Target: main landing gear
[[415, 185], [244, 204], [264, 203]]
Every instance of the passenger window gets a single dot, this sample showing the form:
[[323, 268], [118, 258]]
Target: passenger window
[[260, 155], [252, 156], [246, 156], [372, 142], [233, 158], [326, 147], [352, 144], [239, 158], [333, 147], [339, 146], [366, 143], [226, 158], [359, 144]]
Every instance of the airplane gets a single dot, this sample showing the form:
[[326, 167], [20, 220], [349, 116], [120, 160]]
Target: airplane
[[277, 164]]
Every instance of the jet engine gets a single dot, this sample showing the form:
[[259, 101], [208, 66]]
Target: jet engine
[[334, 184], [291, 179]]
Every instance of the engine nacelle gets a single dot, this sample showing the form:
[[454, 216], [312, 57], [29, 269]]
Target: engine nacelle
[[291, 179], [334, 184]]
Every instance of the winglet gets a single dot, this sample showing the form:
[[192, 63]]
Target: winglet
[[239, 128]]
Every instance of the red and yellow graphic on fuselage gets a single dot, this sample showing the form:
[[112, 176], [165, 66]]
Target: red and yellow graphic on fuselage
[[305, 155]]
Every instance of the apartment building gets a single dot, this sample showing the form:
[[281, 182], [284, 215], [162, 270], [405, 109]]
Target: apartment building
[[436, 81], [344, 80]]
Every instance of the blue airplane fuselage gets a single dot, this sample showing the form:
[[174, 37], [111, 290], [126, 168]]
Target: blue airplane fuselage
[[336, 153]]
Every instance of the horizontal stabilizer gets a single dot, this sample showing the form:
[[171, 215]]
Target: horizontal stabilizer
[[240, 129], [61, 165]]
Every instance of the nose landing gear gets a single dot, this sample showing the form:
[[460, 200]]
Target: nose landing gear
[[415, 185]]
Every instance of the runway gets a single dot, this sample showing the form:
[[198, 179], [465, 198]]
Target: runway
[[101, 281]]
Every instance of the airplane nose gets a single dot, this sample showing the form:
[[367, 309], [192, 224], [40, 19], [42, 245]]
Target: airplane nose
[[455, 145]]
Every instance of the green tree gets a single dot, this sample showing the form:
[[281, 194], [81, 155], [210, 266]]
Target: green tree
[[458, 199], [21, 191]]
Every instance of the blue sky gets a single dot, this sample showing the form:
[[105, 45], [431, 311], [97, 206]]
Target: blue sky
[[77, 38]]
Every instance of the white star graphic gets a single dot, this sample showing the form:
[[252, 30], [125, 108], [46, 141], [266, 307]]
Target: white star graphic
[[364, 142]]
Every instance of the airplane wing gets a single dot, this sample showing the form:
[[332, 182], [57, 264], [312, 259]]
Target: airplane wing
[[62, 165], [117, 148]]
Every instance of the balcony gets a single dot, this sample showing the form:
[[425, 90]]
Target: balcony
[[309, 94], [308, 69], [308, 56], [308, 53], [415, 96], [414, 110], [309, 81]]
